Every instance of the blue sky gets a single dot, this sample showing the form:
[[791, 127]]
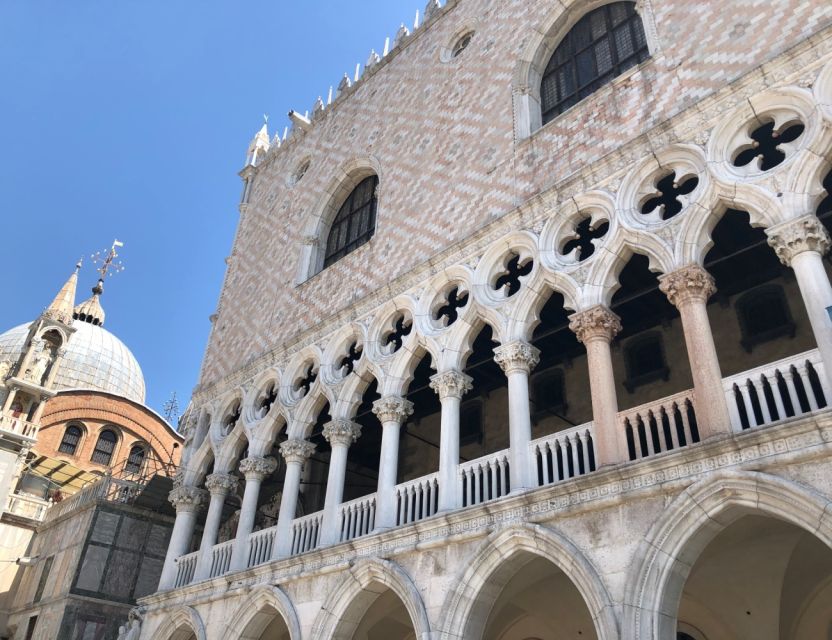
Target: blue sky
[[130, 120]]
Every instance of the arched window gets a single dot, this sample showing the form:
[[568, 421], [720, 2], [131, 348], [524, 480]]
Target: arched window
[[135, 461], [69, 443], [104, 447], [355, 223], [602, 45]]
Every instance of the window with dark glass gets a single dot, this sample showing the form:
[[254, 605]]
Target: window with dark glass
[[355, 222], [764, 315], [104, 447], [548, 394], [69, 443], [644, 360], [135, 460], [602, 45]]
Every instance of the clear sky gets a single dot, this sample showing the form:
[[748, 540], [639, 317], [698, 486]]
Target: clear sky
[[130, 119]]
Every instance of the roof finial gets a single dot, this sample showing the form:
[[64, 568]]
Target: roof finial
[[91, 310]]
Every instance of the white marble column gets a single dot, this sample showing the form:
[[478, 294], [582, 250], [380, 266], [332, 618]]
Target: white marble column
[[295, 452], [255, 470], [392, 412], [219, 485], [801, 244], [340, 434], [451, 386], [187, 501], [689, 289], [517, 359], [595, 328]]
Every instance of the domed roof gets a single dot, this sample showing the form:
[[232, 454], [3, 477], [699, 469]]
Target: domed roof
[[95, 359]]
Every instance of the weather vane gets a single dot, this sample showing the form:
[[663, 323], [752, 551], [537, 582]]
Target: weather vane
[[107, 263]]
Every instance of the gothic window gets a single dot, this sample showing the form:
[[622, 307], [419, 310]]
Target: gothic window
[[764, 315], [462, 44], [602, 45], [668, 197], [470, 422], [69, 443], [355, 222], [135, 461], [104, 447], [548, 394], [645, 361]]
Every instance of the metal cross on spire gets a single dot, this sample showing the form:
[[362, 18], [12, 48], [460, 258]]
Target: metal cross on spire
[[107, 263]]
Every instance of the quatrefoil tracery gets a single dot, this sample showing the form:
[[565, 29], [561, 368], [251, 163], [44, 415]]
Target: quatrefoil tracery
[[585, 237], [266, 400], [304, 383], [767, 144], [231, 419], [448, 313], [348, 362], [394, 339], [510, 279], [670, 196]]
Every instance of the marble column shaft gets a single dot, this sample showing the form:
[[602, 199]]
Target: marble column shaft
[[451, 386]]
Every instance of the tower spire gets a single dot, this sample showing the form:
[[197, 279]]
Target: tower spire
[[61, 307]]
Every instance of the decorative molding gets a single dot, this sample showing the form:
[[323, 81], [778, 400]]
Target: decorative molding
[[517, 356], [794, 237], [688, 284], [597, 323], [451, 384], [393, 409], [341, 432]]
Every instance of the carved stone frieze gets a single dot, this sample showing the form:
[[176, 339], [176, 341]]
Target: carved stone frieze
[[793, 237], [688, 284], [597, 323], [451, 384], [517, 356], [393, 409]]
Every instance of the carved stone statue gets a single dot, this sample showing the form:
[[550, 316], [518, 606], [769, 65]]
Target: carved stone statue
[[40, 362], [133, 627]]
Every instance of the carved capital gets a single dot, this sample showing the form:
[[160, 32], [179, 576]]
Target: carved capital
[[517, 356], [257, 468], [185, 498], [688, 284], [393, 409], [451, 384], [221, 484], [296, 450], [793, 237], [341, 432], [597, 323]]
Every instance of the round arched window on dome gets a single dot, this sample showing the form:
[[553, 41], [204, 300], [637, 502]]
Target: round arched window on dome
[[355, 222], [135, 461], [69, 443], [104, 447], [602, 45]]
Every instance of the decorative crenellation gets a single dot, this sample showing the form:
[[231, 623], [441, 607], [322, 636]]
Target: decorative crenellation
[[688, 284], [794, 237], [221, 484], [597, 323], [517, 356], [257, 468], [393, 409], [296, 450], [186, 498], [451, 384], [341, 432]]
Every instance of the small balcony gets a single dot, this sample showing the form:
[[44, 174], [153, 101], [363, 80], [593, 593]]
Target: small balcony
[[18, 428], [29, 507], [783, 390]]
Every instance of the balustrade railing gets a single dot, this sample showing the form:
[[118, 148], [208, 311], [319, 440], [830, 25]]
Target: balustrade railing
[[358, 517], [260, 546], [306, 532], [221, 558], [18, 426], [185, 568], [417, 499], [485, 478], [563, 455], [659, 426], [23, 506], [784, 389]]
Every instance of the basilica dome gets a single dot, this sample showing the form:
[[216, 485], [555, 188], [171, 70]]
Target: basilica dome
[[95, 359]]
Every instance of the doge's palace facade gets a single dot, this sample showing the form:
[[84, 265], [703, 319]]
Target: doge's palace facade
[[525, 334]]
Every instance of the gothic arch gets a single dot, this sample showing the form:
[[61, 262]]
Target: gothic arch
[[670, 549], [498, 551], [249, 617], [345, 606], [196, 468], [181, 624], [316, 226]]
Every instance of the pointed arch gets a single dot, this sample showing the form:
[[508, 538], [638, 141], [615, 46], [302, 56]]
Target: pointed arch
[[670, 549], [467, 605], [252, 615], [196, 468], [343, 609], [182, 623]]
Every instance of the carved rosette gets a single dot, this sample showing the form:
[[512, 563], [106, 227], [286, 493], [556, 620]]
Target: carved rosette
[[257, 468], [517, 356], [597, 323], [297, 450], [451, 384], [688, 284], [185, 498], [791, 238], [393, 409], [341, 432], [221, 484]]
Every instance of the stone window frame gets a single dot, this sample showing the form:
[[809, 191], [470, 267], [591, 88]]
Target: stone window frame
[[355, 208], [773, 293], [530, 68]]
